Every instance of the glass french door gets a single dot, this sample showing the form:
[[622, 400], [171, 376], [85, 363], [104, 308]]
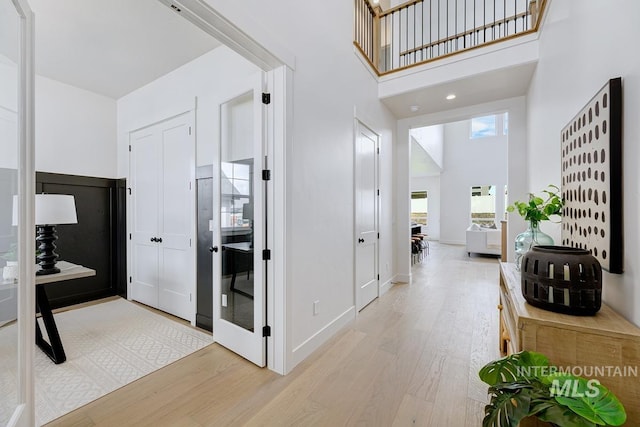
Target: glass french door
[[239, 283], [17, 189]]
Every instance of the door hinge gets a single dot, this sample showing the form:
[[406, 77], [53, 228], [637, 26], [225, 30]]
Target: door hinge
[[266, 98], [266, 175], [129, 147], [189, 185], [378, 277], [266, 331], [129, 236], [189, 130], [378, 235], [266, 254], [378, 192], [130, 279], [189, 242], [378, 150], [191, 295]]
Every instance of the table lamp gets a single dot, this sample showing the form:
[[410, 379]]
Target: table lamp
[[51, 210]]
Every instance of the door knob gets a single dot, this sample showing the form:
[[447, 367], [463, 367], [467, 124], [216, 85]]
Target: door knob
[[159, 240], [213, 249], [153, 239], [361, 240]]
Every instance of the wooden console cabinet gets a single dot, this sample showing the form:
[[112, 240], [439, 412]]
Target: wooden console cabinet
[[605, 341]]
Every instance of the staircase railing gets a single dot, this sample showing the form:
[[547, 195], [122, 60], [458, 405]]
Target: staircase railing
[[421, 31]]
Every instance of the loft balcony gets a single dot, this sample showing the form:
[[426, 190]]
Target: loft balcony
[[423, 31], [426, 50]]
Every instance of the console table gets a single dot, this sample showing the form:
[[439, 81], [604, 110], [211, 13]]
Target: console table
[[600, 341], [68, 271]]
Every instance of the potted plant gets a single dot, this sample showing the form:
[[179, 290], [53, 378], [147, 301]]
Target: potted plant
[[525, 385], [537, 209]]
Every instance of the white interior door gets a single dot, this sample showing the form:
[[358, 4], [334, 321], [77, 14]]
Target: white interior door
[[162, 166], [144, 181], [239, 282], [177, 224], [366, 214]]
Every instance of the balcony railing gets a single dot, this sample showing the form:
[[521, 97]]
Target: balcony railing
[[421, 31]]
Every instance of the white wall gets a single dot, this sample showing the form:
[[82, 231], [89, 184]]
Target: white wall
[[8, 113], [430, 184], [213, 78], [329, 83], [583, 44], [431, 138], [236, 130], [469, 162], [75, 130]]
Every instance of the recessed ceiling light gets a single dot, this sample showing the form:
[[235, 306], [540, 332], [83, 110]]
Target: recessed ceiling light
[[414, 108], [451, 96]]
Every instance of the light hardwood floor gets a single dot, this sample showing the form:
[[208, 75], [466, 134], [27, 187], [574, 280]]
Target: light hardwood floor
[[409, 359]]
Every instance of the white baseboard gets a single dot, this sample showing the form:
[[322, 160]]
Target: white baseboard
[[310, 345], [401, 278], [384, 288]]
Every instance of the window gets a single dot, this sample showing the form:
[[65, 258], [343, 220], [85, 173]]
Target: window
[[505, 124], [419, 207], [482, 127], [493, 125], [483, 205], [237, 207]]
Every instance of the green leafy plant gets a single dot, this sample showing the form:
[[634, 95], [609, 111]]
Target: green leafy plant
[[539, 208], [525, 385]]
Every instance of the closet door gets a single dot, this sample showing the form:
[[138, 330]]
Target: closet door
[[176, 220], [145, 179], [162, 172]]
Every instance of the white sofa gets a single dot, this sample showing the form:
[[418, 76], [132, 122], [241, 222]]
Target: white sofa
[[482, 240]]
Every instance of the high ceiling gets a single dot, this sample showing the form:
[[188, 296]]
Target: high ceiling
[[113, 47], [477, 89]]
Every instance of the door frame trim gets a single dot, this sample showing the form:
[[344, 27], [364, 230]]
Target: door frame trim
[[24, 413]]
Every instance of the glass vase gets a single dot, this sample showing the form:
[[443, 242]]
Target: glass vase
[[530, 238]]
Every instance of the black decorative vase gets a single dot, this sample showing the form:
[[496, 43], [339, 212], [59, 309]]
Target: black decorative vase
[[562, 279], [47, 257]]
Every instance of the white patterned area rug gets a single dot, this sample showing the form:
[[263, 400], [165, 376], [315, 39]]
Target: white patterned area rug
[[107, 345]]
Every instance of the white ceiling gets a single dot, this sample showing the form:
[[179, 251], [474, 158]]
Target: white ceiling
[[477, 89], [113, 47]]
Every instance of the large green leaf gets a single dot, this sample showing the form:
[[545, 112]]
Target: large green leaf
[[587, 398], [523, 366], [509, 404], [563, 416]]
